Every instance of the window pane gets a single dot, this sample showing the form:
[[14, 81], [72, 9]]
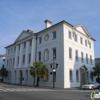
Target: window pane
[[54, 35], [76, 52], [39, 56], [77, 75], [29, 57], [40, 40], [70, 75], [75, 37], [82, 57], [70, 53], [81, 40]]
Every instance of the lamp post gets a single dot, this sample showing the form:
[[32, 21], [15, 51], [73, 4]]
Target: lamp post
[[53, 70]]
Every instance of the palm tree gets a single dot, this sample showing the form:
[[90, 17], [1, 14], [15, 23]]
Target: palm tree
[[3, 73], [96, 72], [33, 73], [38, 70]]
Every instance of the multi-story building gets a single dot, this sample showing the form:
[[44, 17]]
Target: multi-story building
[[97, 61], [71, 46], [2, 61]]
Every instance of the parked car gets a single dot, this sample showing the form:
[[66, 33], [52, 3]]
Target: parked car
[[91, 86]]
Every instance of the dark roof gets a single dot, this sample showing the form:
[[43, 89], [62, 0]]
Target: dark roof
[[9, 45]]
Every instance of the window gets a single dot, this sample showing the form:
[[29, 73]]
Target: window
[[23, 59], [90, 59], [54, 34], [10, 62], [26, 75], [76, 55], [75, 38], [70, 75], [30, 43], [7, 62], [2, 66], [77, 75], [81, 40], [40, 40], [8, 51], [19, 47], [11, 50], [39, 56], [82, 57], [18, 60], [54, 52], [9, 75], [24, 45], [29, 58], [89, 45], [86, 43], [69, 35], [13, 61], [46, 55], [70, 53], [87, 58], [14, 49]]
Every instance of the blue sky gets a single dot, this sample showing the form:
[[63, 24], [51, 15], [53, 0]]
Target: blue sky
[[18, 15]]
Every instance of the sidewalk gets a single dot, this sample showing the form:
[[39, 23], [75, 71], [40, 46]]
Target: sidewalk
[[41, 87]]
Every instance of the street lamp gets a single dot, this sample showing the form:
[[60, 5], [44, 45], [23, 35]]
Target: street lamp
[[54, 70]]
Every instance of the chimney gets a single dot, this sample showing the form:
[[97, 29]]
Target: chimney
[[30, 31], [47, 23]]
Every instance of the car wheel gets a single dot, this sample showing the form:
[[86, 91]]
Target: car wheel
[[92, 87]]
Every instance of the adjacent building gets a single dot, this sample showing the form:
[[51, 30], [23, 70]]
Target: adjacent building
[[70, 47], [2, 62], [97, 61]]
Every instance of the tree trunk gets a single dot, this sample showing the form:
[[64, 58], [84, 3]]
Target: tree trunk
[[37, 81], [34, 81]]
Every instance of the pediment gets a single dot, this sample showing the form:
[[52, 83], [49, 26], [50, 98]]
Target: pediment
[[23, 35], [81, 28]]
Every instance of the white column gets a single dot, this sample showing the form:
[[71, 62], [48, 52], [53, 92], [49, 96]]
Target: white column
[[16, 56], [26, 54], [20, 56], [33, 51]]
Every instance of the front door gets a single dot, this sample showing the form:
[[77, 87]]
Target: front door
[[21, 76]]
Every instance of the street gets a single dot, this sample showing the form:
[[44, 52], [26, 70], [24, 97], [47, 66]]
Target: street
[[14, 92]]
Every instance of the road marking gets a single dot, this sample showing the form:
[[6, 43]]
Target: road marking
[[21, 89]]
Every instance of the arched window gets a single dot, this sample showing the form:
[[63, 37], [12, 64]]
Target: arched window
[[46, 54]]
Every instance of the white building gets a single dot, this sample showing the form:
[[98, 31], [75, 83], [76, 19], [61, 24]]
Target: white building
[[72, 46], [2, 61], [97, 61]]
